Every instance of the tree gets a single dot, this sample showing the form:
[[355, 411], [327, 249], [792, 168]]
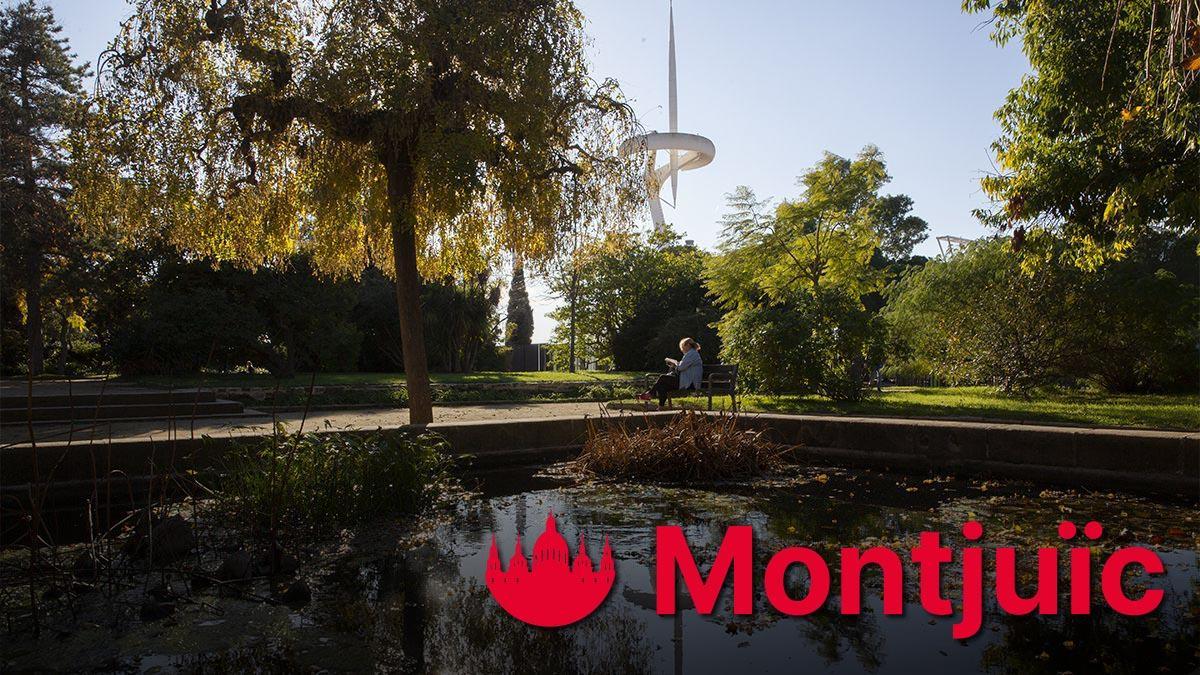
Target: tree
[[1141, 324], [676, 304], [899, 231], [980, 319], [187, 315], [597, 285], [421, 136], [985, 316], [156, 312], [629, 291], [565, 273], [159, 313], [569, 273], [39, 93], [518, 329], [824, 238], [1101, 141], [461, 320], [799, 276], [309, 319]]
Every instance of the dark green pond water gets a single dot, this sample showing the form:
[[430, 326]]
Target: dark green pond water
[[378, 603]]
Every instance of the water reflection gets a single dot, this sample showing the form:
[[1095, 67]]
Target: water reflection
[[856, 509], [380, 603]]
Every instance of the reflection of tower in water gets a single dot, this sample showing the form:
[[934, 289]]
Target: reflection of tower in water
[[521, 514]]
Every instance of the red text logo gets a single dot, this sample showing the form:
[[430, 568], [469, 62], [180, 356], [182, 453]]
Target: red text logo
[[735, 558], [554, 591]]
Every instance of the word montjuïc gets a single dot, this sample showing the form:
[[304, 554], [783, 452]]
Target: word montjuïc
[[736, 553]]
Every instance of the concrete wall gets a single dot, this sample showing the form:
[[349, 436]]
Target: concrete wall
[[1128, 459], [73, 467], [1146, 461]]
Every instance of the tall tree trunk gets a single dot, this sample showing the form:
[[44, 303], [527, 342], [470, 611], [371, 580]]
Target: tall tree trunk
[[33, 263], [33, 312], [401, 185]]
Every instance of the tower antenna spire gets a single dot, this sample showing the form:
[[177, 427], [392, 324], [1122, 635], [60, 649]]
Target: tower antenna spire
[[672, 99], [684, 151]]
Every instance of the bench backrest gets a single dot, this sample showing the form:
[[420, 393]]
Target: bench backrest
[[727, 375]]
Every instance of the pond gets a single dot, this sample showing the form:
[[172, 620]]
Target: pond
[[379, 598]]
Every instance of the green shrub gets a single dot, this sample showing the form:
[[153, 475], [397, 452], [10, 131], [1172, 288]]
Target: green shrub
[[809, 344], [323, 480], [988, 315]]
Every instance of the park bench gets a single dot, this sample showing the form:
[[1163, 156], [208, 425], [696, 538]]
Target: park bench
[[719, 379]]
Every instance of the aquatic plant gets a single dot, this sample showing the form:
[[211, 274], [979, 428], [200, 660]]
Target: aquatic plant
[[690, 447], [329, 479]]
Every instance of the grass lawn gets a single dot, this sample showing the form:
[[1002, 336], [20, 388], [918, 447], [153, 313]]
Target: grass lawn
[[302, 380], [1163, 411]]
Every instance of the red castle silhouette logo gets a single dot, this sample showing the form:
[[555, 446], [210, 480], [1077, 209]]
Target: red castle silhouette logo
[[556, 592]]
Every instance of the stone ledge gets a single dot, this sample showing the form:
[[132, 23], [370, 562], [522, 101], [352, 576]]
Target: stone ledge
[[1147, 461], [1142, 461]]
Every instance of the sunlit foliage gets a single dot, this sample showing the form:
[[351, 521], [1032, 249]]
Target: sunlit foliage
[[1101, 141], [243, 131], [823, 238]]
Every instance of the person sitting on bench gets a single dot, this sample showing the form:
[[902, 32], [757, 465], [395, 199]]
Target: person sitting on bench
[[685, 373]]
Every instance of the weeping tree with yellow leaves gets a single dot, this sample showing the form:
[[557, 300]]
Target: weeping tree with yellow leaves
[[420, 136]]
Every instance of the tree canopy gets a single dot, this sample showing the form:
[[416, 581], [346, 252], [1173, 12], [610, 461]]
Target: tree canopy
[[980, 316], [825, 237], [635, 297], [411, 135], [793, 281], [518, 324], [1101, 141]]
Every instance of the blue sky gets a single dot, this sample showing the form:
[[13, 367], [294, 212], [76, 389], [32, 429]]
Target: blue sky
[[774, 84]]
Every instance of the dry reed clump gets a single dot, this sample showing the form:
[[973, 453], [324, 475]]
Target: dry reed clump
[[691, 447]]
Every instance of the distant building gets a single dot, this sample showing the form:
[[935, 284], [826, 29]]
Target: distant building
[[533, 358]]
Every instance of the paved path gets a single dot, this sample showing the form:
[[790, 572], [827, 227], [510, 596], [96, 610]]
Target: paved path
[[261, 423]]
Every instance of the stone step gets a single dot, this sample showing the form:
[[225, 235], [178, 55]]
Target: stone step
[[85, 413], [115, 396]]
